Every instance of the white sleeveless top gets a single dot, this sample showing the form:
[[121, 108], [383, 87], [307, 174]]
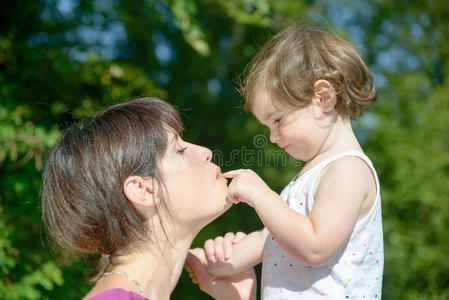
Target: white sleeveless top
[[354, 273]]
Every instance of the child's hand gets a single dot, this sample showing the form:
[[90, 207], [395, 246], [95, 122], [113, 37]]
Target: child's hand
[[238, 286], [246, 186], [219, 250]]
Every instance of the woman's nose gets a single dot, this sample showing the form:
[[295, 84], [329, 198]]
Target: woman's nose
[[206, 154]]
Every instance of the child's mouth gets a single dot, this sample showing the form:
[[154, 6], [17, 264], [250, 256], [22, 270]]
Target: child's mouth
[[220, 175]]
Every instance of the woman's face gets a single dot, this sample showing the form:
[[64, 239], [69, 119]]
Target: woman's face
[[196, 195]]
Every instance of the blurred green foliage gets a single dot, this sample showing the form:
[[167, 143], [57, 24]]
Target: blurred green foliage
[[61, 60]]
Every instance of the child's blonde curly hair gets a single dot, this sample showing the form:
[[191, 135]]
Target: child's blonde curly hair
[[290, 63]]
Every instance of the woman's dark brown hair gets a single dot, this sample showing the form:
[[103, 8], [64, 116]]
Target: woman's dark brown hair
[[83, 203], [290, 63]]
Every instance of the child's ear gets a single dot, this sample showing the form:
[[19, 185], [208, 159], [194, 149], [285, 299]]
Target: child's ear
[[140, 191], [324, 95]]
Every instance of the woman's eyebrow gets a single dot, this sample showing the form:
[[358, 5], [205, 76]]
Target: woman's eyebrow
[[174, 139]]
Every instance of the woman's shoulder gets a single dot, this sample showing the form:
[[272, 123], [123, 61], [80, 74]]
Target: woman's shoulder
[[117, 294]]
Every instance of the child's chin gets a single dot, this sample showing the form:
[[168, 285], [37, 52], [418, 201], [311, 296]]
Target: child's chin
[[295, 155], [299, 157]]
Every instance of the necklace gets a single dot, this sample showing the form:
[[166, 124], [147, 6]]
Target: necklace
[[105, 274]]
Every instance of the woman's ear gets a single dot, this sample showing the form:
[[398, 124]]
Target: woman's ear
[[140, 191], [324, 95]]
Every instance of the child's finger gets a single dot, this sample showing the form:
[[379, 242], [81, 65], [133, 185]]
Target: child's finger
[[232, 196], [233, 173], [229, 200], [233, 200], [209, 250]]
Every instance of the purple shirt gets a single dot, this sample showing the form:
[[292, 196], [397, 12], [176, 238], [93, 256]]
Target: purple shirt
[[118, 294]]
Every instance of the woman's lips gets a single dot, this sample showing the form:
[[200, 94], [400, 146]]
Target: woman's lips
[[220, 176], [222, 179]]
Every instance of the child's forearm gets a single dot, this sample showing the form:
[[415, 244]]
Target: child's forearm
[[245, 254]]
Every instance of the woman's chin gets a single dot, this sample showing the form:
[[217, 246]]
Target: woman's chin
[[223, 208]]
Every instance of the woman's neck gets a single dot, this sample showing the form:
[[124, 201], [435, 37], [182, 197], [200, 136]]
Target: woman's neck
[[157, 270]]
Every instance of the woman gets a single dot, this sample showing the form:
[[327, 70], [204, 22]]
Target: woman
[[124, 184]]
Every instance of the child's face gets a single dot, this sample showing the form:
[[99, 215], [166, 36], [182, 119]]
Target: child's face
[[300, 132]]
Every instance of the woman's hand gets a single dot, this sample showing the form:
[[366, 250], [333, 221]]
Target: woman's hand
[[233, 287]]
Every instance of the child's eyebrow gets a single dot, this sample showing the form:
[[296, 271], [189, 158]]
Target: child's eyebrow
[[269, 115]]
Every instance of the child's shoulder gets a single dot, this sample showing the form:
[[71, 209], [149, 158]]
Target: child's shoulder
[[350, 166], [348, 171], [349, 181]]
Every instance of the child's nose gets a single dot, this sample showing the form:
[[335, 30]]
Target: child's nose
[[273, 137]]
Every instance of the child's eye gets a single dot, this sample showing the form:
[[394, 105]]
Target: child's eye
[[182, 150], [277, 121]]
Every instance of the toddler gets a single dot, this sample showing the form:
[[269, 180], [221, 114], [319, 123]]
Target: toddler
[[323, 235]]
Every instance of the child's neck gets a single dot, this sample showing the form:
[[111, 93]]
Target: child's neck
[[341, 138]]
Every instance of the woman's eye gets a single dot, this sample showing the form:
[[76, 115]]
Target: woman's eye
[[182, 150]]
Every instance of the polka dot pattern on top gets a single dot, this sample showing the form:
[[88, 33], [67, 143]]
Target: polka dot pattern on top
[[354, 273]]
